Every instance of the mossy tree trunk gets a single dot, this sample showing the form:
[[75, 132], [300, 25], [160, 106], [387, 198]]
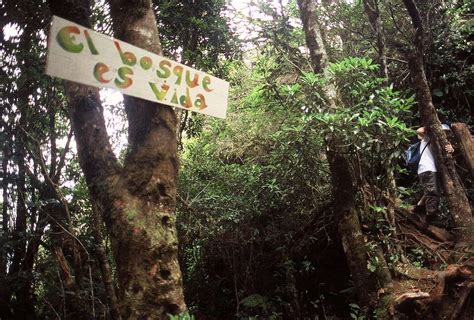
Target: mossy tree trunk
[[103, 261], [342, 175], [138, 199], [453, 189], [349, 227]]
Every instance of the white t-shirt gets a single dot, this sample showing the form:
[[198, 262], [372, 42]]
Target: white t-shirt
[[427, 162]]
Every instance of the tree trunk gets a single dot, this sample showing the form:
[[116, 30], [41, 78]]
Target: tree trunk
[[465, 142], [138, 201], [453, 189], [5, 312], [104, 265], [19, 279], [151, 174], [371, 8], [349, 228], [67, 252], [314, 39], [342, 175]]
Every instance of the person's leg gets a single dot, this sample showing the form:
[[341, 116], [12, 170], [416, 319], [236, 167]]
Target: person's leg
[[429, 182]]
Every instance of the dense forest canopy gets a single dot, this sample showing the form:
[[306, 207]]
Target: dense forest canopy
[[298, 205]]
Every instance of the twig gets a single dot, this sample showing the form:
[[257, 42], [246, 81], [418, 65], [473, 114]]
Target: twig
[[433, 252], [395, 22], [62, 158], [92, 290], [44, 171], [69, 233], [52, 308], [398, 60], [63, 294], [405, 77], [199, 193], [235, 280]]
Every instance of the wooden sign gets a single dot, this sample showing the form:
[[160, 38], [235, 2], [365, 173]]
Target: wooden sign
[[82, 55]]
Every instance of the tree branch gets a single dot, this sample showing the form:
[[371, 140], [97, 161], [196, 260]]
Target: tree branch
[[97, 160], [62, 159]]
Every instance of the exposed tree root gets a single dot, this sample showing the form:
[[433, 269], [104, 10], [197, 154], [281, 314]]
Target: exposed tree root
[[425, 294], [409, 302], [433, 298], [460, 306], [410, 272], [407, 217], [437, 241]]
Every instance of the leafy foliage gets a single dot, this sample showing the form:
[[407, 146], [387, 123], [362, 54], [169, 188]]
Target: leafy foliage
[[451, 64], [257, 236], [267, 163], [196, 33], [369, 118]]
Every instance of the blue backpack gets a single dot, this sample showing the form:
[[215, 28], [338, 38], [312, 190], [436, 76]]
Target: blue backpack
[[413, 156]]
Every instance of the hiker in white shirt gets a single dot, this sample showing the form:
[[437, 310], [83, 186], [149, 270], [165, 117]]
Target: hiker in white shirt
[[427, 173]]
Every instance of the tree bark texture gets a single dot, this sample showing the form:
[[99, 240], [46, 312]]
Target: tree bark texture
[[371, 8], [104, 265], [349, 227], [137, 200], [342, 175], [465, 143], [151, 168], [453, 189], [317, 49]]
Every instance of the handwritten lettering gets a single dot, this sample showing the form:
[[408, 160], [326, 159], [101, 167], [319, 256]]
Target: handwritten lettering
[[146, 63], [99, 70], [160, 94], [206, 81], [165, 71], [66, 39], [192, 83], [128, 58], [178, 72], [90, 44], [174, 82]]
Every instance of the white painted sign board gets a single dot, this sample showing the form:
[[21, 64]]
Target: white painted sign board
[[82, 55]]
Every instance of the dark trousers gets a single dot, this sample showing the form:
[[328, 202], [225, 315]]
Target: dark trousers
[[430, 185]]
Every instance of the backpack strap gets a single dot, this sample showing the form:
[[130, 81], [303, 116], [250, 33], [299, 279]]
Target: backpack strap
[[424, 148]]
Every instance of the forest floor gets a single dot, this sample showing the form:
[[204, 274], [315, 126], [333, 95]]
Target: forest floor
[[444, 291]]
